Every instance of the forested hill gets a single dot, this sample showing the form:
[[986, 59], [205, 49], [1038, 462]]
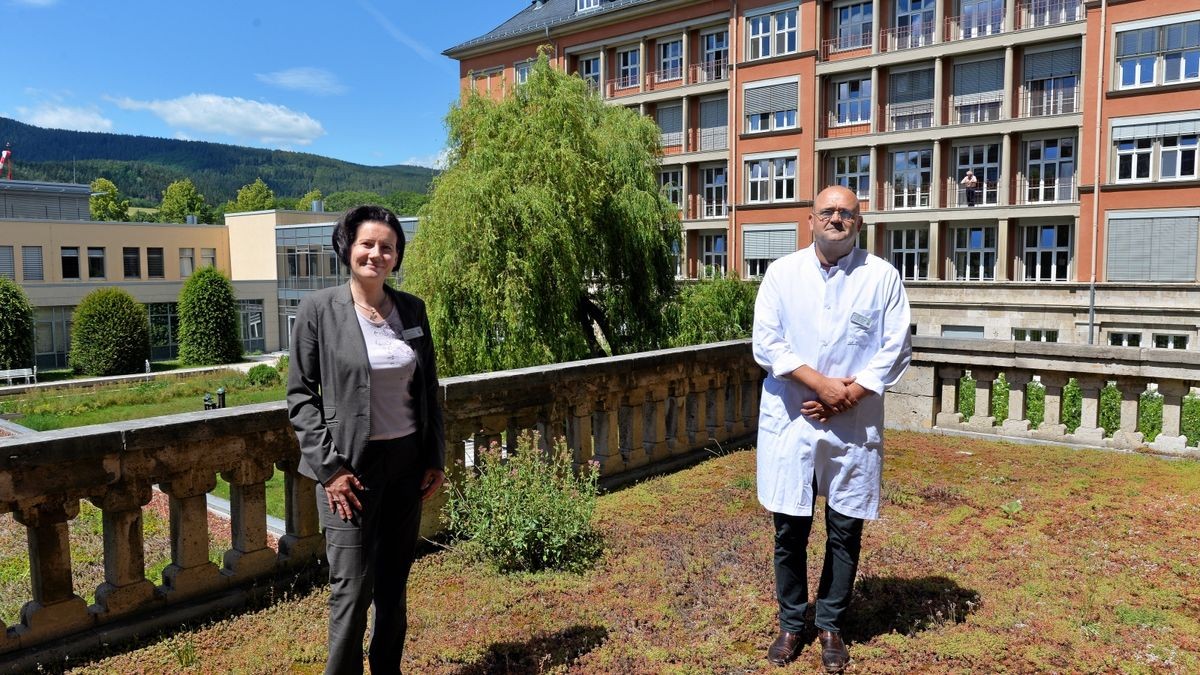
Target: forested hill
[[142, 166]]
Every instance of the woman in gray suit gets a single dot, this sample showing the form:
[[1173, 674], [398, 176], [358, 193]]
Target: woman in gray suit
[[363, 399]]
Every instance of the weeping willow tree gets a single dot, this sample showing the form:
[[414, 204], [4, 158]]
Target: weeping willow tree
[[546, 238]]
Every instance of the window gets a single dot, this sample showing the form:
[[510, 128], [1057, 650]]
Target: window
[[131, 258], [31, 263], [1158, 151], [974, 253], [980, 18], [187, 262], [154, 263], [1178, 157], [8, 265], [714, 124], [914, 23], [714, 194], [70, 262], [1133, 159], [1052, 82], [963, 332], [1167, 54], [251, 324], [1046, 252], [208, 257], [670, 123], [164, 329], [713, 253], [853, 172], [852, 101], [1049, 170], [714, 59], [1051, 12], [984, 162], [486, 81], [761, 247], [1169, 341], [771, 34], [771, 180], [912, 172], [978, 91], [1034, 335], [582, 5], [670, 60], [910, 252], [671, 182], [771, 107], [853, 25], [1158, 248], [627, 68], [521, 71], [910, 105], [1125, 339], [589, 70]]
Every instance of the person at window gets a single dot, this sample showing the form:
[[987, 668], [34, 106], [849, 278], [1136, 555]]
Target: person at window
[[971, 185], [362, 398], [831, 328]]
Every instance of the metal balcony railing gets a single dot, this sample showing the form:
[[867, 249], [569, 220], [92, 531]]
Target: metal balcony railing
[[978, 108], [1040, 13], [708, 71], [906, 37], [673, 74], [1045, 102], [980, 24], [844, 43], [905, 116], [1048, 190], [834, 128], [618, 86], [899, 196], [713, 209], [987, 193]]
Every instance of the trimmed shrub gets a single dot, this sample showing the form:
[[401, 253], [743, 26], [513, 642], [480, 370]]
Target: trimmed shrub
[[714, 310], [263, 375], [16, 326], [208, 320], [1110, 409], [528, 511], [1150, 415], [110, 334]]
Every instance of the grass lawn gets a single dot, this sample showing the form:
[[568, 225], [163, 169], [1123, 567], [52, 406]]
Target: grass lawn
[[990, 557], [276, 505]]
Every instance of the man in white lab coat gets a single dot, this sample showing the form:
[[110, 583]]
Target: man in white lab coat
[[831, 327]]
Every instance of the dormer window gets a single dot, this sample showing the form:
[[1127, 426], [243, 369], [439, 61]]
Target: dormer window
[[583, 5]]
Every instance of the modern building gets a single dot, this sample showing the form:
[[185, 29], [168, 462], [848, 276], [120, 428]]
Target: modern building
[[1079, 119]]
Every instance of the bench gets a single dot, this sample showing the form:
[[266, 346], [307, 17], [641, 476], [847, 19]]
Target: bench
[[29, 374]]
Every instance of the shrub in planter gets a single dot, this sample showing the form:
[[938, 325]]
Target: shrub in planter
[[528, 511], [16, 326], [208, 320], [110, 334], [263, 375]]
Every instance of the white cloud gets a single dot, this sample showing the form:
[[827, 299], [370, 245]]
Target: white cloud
[[434, 161], [312, 80], [65, 117], [266, 123]]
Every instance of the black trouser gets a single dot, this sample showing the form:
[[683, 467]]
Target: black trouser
[[370, 556], [842, 546]]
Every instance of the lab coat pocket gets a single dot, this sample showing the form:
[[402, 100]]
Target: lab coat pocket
[[863, 328]]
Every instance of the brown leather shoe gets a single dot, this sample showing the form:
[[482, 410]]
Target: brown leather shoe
[[785, 648], [834, 655]]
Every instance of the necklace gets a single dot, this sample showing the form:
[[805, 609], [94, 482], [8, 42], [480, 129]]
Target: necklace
[[374, 315]]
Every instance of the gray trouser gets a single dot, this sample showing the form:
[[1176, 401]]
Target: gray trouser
[[370, 556]]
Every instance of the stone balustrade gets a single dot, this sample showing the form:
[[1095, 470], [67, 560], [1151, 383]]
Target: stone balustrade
[[631, 414]]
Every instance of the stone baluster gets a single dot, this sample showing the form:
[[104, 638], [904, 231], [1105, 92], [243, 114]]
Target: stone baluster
[[949, 376], [698, 417], [1052, 427], [608, 436], [190, 572], [125, 586], [1171, 439], [1017, 422], [679, 411], [984, 384], [1089, 430], [717, 396], [656, 439], [580, 433], [248, 554], [55, 609], [1128, 436], [636, 444], [303, 541]]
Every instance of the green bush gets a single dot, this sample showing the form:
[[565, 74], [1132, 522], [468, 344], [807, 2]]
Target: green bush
[[1000, 398], [16, 326], [208, 320], [1072, 405], [713, 310], [263, 375], [282, 365], [1110, 409], [1150, 410], [110, 334], [1035, 404], [1190, 419], [528, 511], [966, 397]]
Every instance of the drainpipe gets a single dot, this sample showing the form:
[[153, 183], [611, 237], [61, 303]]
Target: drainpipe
[[734, 167], [1096, 172]]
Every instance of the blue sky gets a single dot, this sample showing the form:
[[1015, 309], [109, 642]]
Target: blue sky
[[358, 80]]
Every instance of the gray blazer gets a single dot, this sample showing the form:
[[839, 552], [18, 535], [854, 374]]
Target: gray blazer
[[329, 383]]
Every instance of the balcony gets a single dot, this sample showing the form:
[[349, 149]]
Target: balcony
[[713, 209], [906, 37], [665, 78], [845, 46], [955, 195], [1039, 13], [978, 108], [708, 71], [832, 128], [624, 85], [968, 26], [906, 196], [909, 116], [1047, 191], [1049, 102]]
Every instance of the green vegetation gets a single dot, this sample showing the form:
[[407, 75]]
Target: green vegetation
[[106, 203], [547, 238], [713, 310], [16, 326], [255, 196], [110, 334], [180, 200], [263, 375], [276, 499], [1093, 573], [528, 511], [208, 320]]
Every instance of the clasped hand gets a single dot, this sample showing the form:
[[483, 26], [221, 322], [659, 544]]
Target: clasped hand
[[835, 395]]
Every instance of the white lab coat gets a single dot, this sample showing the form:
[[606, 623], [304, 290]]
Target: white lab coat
[[850, 321]]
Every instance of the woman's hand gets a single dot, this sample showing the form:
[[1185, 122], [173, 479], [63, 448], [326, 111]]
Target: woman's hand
[[431, 482], [340, 491]]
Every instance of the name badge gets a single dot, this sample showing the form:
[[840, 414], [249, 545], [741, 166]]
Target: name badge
[[861, 320], [412, 333]]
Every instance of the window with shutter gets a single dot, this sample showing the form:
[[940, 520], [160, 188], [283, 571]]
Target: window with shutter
[[1152, 249], [714, 124]]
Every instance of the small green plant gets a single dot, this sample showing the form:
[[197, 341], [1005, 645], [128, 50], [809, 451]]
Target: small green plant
[[529, 511], [1000, 399], [966, 396], [1072, 405], [1035, 404], [1150, 415], [1110, 409], [1190, 419], [110, 334], [263, 375], [1011, 509], [185, 652], [282, 365]]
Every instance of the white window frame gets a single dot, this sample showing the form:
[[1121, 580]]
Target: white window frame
[[909, 246], [987, 172], [714, 57], [909, 198], [592, 76], [974, 263], [521, 70], [1150, 68], [1046, 189], [1133, 150], [208, 257], [755, 268], [770, 178], [1035, 334], [1124, 338], [1172, 340], [860, 102], [773, 33], [670, 66], [714, 253], [714, 181], [628, 67], [851, 34], [1183, 145], [1036, 253], [586, 5], [777, 120], [187, 254], [671, 182], [843, 173]]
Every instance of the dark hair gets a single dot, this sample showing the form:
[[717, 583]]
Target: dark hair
[[346, 230]]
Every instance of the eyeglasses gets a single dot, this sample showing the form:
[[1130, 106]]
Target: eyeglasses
[[845, 214]]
